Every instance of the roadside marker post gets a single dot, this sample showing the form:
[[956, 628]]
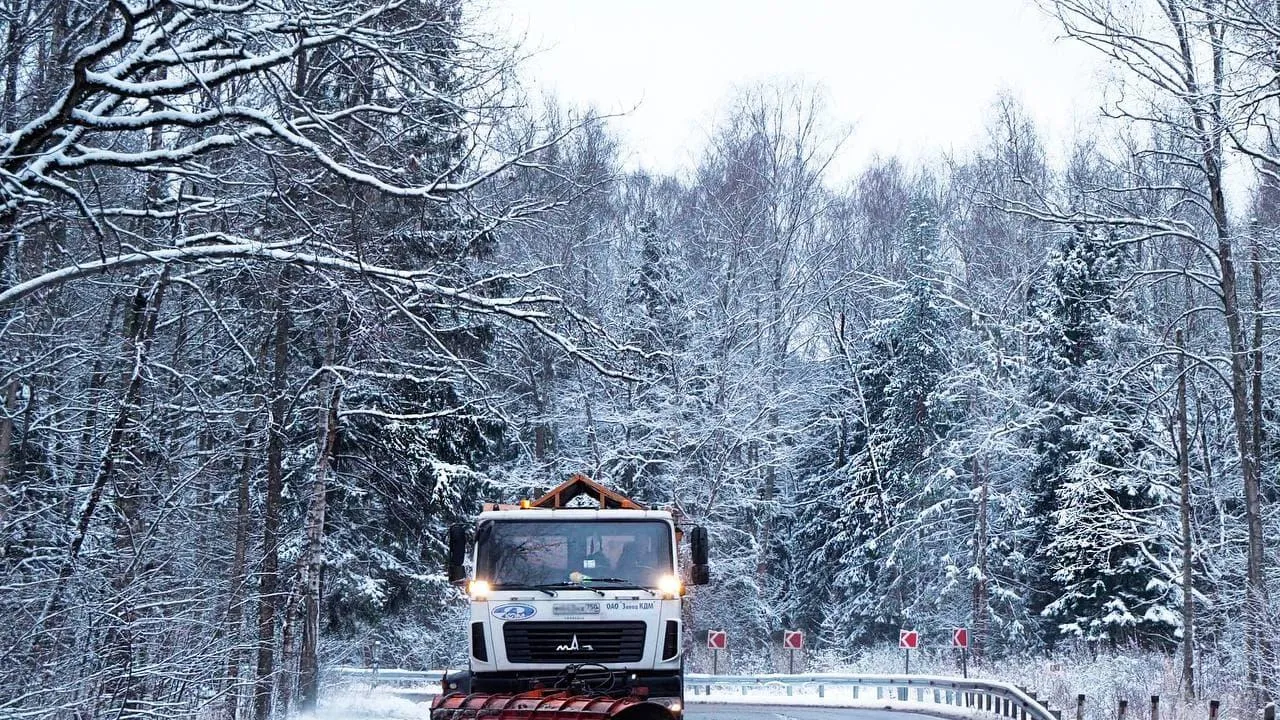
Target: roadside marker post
[[792, 640], [960, 639], [908, 640], [717, 640]]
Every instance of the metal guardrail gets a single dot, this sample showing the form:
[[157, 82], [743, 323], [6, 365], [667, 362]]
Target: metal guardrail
[[377, 675], [999, 698]]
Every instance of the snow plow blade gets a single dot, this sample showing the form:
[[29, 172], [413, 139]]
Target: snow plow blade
[[545, 705]]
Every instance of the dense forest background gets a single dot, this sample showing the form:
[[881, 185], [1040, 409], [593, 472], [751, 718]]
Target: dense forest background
[[289, 286]]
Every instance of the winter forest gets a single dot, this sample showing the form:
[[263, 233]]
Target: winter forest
[[289, 286]]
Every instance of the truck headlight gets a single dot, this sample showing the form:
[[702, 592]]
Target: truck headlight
[[670, 585], [479, 589]]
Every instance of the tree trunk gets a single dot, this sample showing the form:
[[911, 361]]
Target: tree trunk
[[308, 662], [981, 591], [1255, 590], [236, 581], [16, 13], [1184, 507], [7, 409], [287, 671], [97, 381], [269, 581], [128, 504], [1258, 588]]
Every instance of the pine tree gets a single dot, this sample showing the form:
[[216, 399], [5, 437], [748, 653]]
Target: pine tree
[[1089, 574], [653, 307], [893, 484]]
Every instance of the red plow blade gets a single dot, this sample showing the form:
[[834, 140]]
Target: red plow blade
[[543, 705]]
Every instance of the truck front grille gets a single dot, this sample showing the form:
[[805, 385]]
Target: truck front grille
[[557, 642]]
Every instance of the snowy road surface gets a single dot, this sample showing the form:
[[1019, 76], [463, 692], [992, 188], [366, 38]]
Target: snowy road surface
[[699, 711]]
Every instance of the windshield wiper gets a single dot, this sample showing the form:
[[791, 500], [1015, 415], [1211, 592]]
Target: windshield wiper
[[572, 584], [627, 584], [539, 588]]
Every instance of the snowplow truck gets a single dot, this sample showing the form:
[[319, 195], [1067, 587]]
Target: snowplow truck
[[575, 611]]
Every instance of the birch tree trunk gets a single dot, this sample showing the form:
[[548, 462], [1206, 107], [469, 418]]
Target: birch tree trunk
[[313, 560]]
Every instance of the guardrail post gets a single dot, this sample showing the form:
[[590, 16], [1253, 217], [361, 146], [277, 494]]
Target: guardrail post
[[879, 693], [1155, 707], [920, 696], [937, 696], [1124, 705], [744, 689], [788, 689], [1080, 706], [1213, 709], [855, 692], [822, 690]]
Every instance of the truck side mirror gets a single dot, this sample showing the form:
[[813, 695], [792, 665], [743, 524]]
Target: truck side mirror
[[457, 553], [700, 573]]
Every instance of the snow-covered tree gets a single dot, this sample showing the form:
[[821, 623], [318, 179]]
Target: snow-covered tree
[[1095, 495]]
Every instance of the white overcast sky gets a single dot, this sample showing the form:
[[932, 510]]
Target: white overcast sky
[[913, 77]]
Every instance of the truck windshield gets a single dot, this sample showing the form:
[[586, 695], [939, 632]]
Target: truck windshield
[[529, 553]]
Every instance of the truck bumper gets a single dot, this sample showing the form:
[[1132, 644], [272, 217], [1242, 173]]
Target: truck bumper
[[621, 683]]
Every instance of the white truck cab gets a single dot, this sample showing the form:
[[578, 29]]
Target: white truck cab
[[571, 595]]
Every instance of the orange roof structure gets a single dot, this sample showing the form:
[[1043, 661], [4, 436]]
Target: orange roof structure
[[580, 484]]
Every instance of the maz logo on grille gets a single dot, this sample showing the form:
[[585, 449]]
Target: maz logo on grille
[[571, 647]]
